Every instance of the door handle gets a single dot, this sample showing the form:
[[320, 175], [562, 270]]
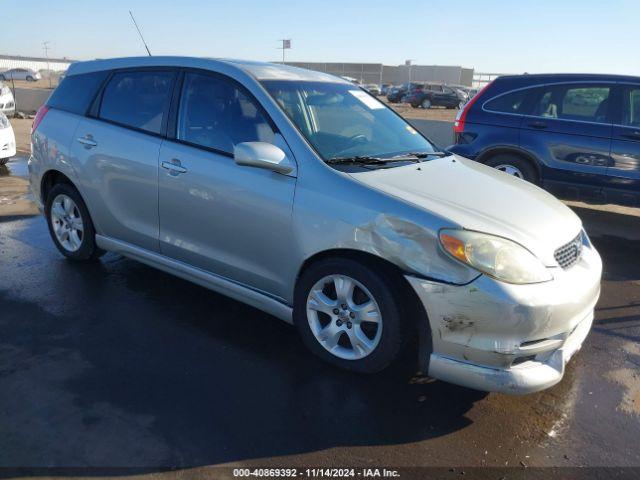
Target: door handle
[[174, 166], [87, 141], [634, 135], [537, 124]]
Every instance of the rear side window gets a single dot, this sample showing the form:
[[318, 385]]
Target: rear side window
[[573, 102], [216, 113], [631, 106], [138, 99], [75, 93], [508, 103]]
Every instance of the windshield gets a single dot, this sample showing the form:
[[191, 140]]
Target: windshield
[[341, 120]]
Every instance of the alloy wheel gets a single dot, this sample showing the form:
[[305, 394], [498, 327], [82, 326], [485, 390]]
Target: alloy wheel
[[344, 317], [67, 223], [510, 170]]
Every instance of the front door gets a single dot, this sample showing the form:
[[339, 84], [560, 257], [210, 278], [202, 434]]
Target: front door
[[231, 220]]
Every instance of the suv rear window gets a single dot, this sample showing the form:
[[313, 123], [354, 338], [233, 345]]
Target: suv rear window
[[508, 103], [75, 93], [138, 99]]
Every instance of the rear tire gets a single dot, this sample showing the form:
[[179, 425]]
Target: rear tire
[[426, 104], [70, 224], [4, 161], [364, 337], [516, 166], [3, 78]]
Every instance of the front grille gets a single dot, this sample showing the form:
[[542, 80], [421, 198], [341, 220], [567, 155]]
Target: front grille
[[567, 255]]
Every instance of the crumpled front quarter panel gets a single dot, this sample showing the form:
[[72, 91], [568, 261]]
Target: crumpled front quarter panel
[[349, 215]]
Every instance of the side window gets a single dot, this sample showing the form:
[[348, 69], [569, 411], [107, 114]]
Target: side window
[[216, 113], [138, 99], [508, 103], [76, 92], [574, 102], [631, 106]]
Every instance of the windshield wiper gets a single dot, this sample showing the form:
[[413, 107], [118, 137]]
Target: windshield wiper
[[427, 154], [369, 160]]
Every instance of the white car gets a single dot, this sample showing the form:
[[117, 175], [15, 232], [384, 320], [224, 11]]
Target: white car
[[7, 140], [7, 102], [21, 74]]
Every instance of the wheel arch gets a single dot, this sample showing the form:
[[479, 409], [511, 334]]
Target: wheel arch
[[51, 178], [509, 150]]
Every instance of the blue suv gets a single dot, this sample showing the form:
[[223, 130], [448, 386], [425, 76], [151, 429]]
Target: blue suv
[[578, 136]]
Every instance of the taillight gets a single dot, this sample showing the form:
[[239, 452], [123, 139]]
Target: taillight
[[458, 124], [42, 111]]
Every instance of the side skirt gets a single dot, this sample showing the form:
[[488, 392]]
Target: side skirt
[[214, 282]]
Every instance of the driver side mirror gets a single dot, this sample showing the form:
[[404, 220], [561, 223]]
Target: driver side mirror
[[262, 155]]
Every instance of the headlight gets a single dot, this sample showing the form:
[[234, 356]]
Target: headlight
[[4, 90], [494, 256], [4, 121]]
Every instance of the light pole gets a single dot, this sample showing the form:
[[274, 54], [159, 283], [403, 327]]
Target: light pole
[[45, 46], [408, 63]]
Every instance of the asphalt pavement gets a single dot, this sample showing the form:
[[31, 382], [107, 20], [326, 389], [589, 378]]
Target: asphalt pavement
[[116, 364]]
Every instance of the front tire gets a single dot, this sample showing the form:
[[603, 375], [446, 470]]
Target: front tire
[[349, 315], [30, 79], [426, 104], [70, 224]]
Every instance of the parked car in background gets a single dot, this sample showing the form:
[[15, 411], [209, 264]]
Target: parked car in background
[[373, 89], [7, 102], [7, 140], [384, 90], [397, 94], [298, 193], [463, 93], [434, 95], [20, 74], [576, 135]]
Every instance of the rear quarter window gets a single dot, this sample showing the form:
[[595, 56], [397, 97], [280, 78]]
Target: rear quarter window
[[507, 103], [75, 92]]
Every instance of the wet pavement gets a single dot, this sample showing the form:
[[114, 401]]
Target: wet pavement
[[117, 364]]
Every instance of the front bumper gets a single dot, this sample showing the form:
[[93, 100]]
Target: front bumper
[[515, 339]]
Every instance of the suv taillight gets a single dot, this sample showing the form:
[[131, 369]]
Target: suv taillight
[[42, 111], [461, 117]]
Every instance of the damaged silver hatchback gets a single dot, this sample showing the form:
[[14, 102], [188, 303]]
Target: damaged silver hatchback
[[304, 196]]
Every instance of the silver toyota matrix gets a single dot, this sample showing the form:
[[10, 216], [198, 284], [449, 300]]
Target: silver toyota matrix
[[302, 195]]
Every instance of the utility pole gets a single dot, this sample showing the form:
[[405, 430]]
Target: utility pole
[[286, 44], [45, 46]]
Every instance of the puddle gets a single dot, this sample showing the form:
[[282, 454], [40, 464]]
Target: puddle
[[16, 167], [629, 379]]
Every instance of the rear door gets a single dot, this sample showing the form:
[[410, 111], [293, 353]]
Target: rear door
[[117, 152], [622, 183], [569, 131]]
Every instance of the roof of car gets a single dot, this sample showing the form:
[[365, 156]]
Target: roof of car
[[571, 77], [259, 70]]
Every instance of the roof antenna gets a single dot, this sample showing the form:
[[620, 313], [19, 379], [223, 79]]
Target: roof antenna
[[139, 33]]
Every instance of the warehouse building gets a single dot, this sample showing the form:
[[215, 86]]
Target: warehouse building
[[380, 74], [7, 62]]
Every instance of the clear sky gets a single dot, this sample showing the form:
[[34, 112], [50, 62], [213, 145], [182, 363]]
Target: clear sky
[[499, 36]]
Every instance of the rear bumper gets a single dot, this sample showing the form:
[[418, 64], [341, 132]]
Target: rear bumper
[[7, 143], [515, 339]]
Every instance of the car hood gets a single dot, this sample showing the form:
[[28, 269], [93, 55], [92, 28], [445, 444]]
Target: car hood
[[473, 196]]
